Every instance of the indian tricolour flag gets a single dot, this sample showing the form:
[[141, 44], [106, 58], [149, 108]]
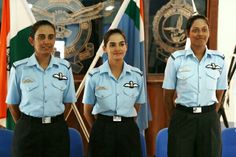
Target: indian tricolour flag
[[17, 19], [130, 19]]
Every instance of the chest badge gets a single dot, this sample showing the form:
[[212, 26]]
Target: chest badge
[[131, 84], [213, 66], [60, 76], [28, 80]]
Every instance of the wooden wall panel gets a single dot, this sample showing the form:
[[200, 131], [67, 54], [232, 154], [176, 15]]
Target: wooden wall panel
[[159, 115]]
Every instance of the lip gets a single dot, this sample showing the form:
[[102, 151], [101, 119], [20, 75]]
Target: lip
[[117, 53]]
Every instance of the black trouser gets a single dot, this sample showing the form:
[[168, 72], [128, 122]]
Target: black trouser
[[34, 139], [114, 139], [194, 135]]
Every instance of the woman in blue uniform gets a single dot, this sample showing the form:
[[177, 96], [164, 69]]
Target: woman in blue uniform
[[41, 90], [198, 76], [112, 97]]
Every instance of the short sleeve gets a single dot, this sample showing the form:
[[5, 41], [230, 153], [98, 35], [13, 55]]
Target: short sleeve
[[141, 99], [89, 91], [222, 80], [69, 94], [14, 92], [170, 75]]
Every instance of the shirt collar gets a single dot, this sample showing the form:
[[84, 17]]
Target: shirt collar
[[105, 68], [190, 52], [33, 61]]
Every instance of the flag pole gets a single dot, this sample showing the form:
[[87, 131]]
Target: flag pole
[[195, 12], [81, 87]]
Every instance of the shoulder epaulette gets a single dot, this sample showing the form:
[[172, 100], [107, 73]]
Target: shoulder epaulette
[[177, 54], [137, 70], [217, 53], [93, 71], [20, 62], [65, 63]]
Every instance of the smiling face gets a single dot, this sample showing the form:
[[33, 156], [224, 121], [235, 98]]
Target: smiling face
[[199, 33], [43, 40], [116, 47]]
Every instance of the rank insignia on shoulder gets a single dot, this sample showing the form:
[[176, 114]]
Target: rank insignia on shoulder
[[131, 84], [213, 66], [60, 76]]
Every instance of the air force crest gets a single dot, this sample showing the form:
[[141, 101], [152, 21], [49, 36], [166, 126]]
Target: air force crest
[[73, 26], [168, 26]]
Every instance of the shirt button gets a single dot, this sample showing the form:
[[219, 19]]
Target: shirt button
[[45, 101], [45, 87]]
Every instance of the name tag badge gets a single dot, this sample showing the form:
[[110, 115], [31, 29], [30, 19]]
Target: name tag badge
[[116, 118], [46, 120], [197, 110]]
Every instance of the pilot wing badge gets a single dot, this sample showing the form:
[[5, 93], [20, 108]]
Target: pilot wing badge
[[131, 84], [60, 76], [213, 66]]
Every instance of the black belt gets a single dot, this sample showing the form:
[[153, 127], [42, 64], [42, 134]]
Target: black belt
[[197, 109], [43, 120], [114, 118]]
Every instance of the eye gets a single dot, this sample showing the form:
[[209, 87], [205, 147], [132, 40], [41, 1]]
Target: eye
[[204, 30], [41, 36], [112, 44], [195, 30], [122, 44], [51, 36]]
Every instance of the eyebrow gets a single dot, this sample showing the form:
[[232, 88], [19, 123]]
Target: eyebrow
[[45, 34], [113, 42], [199, 27]]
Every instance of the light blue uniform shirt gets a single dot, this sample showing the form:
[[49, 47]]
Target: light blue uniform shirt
[[111, 96], [40, 92], [195, 82]]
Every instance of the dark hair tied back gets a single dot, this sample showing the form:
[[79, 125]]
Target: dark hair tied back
[[193, 18], [40, 23], [111, 32]]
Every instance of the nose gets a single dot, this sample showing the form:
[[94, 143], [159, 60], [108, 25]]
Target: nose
[[47, 40], [200, 32]]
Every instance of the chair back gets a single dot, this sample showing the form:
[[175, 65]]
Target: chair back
[[229, 142], [143, 145], [6, 138], [161, 143], [76, 143]]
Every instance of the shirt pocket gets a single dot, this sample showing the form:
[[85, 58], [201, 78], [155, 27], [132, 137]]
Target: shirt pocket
[[57, 91], [60, 85], [212, 76], [29, 87], [104, 98], [131, 92], [103, 94], [185, 79]]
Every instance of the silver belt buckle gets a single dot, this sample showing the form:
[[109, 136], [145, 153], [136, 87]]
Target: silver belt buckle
[[197, 110], [46, 120], [117, 118]]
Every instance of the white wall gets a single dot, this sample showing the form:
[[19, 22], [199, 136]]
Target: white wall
[[226, 44]]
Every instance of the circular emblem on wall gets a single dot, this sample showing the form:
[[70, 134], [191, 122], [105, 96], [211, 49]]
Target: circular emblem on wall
[[73, 26], [169, 25]]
